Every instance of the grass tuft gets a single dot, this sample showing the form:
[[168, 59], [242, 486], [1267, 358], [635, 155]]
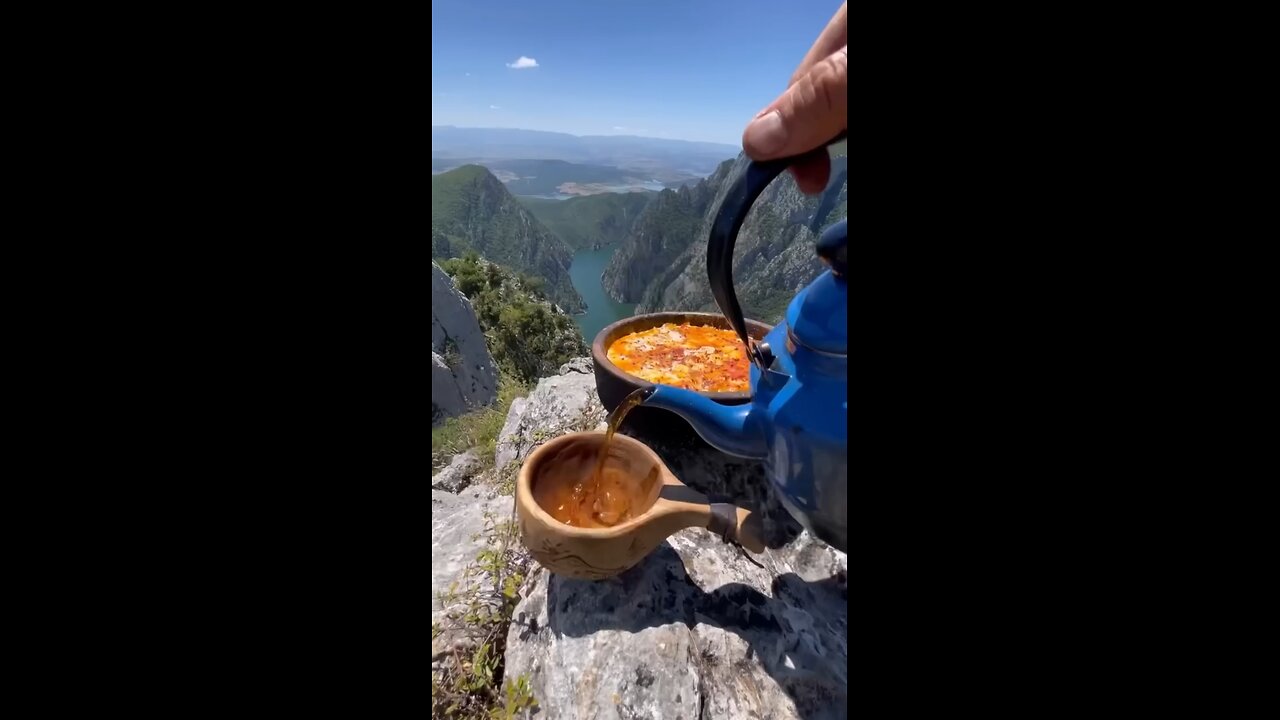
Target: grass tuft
[[467, 678], [477, 429]]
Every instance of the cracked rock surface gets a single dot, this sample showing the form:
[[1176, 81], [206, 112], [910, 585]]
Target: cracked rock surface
[[700, 628], [463, 374]]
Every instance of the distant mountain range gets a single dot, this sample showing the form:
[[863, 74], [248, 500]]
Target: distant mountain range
[[557, 178], [622, 151]]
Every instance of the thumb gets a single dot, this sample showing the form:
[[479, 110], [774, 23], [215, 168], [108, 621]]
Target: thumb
[[809, 113]]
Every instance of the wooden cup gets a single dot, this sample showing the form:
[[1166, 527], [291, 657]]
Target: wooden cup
[[596, 553]]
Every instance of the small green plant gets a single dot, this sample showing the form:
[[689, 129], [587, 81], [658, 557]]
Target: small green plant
[[506, 480], [468, 684], [518, 698], [452, 353]]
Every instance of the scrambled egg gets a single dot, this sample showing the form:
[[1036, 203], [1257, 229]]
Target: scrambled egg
[[694, 357]]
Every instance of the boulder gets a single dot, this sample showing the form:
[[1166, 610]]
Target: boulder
[[696, 630], [559, 404], [463, 373], [459, 473], [584, 365]]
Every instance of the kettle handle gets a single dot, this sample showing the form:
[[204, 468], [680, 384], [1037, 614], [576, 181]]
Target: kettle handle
[[724, 234]]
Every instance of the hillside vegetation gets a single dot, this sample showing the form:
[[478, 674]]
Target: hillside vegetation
[[525, 334], [665, 228], [662, 265], [590, 222], [471, 211]]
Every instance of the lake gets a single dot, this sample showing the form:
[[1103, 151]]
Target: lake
[[601, 309]]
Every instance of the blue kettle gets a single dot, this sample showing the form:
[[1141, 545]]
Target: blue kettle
[[797, 419]]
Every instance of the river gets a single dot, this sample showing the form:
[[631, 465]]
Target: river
[[601, 309]]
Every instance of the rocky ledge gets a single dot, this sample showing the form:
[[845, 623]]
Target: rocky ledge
[[700, 628]]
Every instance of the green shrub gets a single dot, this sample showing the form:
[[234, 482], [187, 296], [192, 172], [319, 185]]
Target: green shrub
[[526, 338]]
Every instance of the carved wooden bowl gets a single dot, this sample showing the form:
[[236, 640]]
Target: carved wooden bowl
[[660, 503]]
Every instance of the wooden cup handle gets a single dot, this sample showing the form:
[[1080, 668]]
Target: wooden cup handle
[[737, 524]]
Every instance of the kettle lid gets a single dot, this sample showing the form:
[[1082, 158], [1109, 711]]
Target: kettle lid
[[818, 316]]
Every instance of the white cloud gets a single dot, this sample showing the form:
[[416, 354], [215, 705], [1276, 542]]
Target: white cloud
[[618, 127], [494, 107], [523, 62]]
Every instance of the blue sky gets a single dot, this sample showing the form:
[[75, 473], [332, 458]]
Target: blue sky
[[691, 69]]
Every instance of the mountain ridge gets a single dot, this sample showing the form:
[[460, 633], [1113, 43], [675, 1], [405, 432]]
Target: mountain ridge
[[592, 221], [472, 210], [774, 254]]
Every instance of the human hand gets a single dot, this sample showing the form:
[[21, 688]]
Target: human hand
[[813, 109]]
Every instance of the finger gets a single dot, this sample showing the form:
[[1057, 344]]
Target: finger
[[812, 172], [834, 36], [809, 113]]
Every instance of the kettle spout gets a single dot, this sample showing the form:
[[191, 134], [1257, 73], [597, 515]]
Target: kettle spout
[[731, 429]]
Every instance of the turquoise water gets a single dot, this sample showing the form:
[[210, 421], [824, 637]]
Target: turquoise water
[[601, 309]]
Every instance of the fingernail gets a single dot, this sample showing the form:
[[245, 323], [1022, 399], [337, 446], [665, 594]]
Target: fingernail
[[766, 134]]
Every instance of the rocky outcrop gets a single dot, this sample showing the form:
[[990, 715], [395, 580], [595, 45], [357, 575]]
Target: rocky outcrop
[[696, 630], [463, 373], [700, 628], [457, 522], [459, 473], [560, 404], [527, 334]]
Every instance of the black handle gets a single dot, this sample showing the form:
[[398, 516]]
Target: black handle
[[724, 234]]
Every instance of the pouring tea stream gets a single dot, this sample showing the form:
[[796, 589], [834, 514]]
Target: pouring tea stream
[[797, 420], [796, 423]]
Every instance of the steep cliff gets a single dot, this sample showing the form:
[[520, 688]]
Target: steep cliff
[[774, 256], [527, 335], [472, 210], [663, 231], [463, 374], [662, 264]]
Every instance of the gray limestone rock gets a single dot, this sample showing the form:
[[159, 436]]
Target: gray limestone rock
[[700, 628], [463, 373], [584, 365], [696, 630], [457, 524], [462, 468], [557, 405]]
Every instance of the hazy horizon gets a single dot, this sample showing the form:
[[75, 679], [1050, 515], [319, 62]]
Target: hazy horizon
[[618, 134]]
